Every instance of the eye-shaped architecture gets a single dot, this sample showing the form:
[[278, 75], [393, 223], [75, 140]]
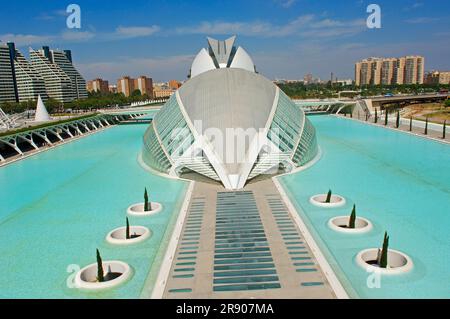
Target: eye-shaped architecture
[[228, 123]]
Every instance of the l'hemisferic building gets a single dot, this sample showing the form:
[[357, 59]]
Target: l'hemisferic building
[[228, 123]]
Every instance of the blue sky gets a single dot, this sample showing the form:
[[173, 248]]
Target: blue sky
[[286, 38]]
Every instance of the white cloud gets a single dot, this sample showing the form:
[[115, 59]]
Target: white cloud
[[421, 20], [26, 39], [135, 31], [77, 36], [305, 25], [285, 3]]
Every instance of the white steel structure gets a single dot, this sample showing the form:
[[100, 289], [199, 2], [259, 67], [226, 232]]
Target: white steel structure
[[228, 123]]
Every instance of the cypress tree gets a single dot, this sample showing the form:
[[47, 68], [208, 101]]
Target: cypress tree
[[146, 207], [100, 276], [376, 116], [384, 252], [410, 124], [351, 223], [328, 200], [397, 122], [385, 117], [426, 126], [127, 235], [443, 130]]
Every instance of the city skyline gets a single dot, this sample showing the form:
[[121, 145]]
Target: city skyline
[[288, 38]]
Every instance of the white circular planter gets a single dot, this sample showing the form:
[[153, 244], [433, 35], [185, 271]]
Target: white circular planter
[[138, 209], [137, 233], [319, 200], [339, 224], [398, 262], [86, 278]]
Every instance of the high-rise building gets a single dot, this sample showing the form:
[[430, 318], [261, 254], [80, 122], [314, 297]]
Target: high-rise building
[[438, 77], [29, 83], [7, 83], [64, 60], [414, 70], [50, 73], [145, 85], [98, 85], [387, 71], [57, 83], [125, 85]]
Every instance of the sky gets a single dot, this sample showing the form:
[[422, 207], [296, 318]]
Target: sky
[[286, 38]]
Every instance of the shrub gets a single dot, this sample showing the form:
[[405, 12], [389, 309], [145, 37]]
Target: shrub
[[100, 276]]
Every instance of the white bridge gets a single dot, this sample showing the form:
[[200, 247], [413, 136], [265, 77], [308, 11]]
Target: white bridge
[[21, 141]]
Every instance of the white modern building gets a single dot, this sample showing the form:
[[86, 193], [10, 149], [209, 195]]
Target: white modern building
[[62, 81], [228, 123], [29, 83], [7, 89], [64, 60]]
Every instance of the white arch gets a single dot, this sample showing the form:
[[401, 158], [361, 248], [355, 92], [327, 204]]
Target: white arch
[[202, 63]]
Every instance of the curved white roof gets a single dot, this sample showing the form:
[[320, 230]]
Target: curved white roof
[[202, 63], [221, 55], [229, 98], [242, 60]]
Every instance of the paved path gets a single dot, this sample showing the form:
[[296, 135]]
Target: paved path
[[243, 244]]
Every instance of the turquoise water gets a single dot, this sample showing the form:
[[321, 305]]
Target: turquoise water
[[398, 181], [57, 206]]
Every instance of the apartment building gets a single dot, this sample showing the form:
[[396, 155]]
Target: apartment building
[[98, 85], [387, 71]]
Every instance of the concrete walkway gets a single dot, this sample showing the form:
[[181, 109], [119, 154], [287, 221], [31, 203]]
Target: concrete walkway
[[243, 244]]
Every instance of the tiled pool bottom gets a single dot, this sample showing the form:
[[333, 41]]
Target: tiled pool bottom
[[398, 181], [57, 207]]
